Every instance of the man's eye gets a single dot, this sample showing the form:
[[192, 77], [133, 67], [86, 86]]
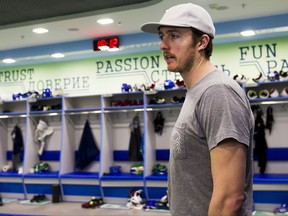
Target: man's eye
[[161, 37], [173, 36]]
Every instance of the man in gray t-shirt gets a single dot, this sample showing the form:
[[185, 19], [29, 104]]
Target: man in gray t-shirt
[[210, 166], [215, 109]]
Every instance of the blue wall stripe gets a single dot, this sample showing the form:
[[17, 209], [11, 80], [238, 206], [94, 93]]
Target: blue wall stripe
[[96, 158], [157, 177], [253, 23], [156, 193], [81, 175], [162, 154], [276, 154], [39, 188], [5, 214], [273, 197], [81, 190], [9, 156], [128, 39], [273, 154], [11, 187], [46, 156], [50, 156], [120, 155], [270, 179]]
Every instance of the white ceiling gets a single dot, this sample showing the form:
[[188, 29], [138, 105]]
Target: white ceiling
[[128, 21]]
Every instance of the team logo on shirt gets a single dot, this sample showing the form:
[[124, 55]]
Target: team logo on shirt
[[176, 142]]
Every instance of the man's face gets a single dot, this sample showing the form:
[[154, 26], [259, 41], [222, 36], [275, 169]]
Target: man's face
[[178, 48]]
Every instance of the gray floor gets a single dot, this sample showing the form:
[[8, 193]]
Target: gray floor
[[75, 209], [69, 209]]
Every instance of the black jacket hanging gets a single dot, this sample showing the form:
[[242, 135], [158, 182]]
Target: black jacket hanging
[[269, 119], [159, 123], [18, 147], [88, 149], [135, 153], [260, 149]]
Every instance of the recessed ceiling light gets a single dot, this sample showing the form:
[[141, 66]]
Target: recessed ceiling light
[[218, 7], [105, 21], [8, 61], [73, 29], [222, 7], [248, 33], [40, 30], [57, 55]]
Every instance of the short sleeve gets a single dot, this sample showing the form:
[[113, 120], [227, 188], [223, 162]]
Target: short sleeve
[[222, 114]]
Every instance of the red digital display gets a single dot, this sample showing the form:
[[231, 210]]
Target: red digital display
[[106, 44]]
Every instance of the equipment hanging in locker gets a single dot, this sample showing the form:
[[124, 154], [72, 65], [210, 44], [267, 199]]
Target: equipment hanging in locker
[[261, 147], [135, 153], [88, 149]]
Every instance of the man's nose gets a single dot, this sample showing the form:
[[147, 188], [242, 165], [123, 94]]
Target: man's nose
[[164, 45]]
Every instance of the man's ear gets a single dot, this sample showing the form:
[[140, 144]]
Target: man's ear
[[203, 42]]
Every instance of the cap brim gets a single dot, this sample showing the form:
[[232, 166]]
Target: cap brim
[[151, 27]]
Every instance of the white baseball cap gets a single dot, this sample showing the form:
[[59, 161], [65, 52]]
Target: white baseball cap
[[183, 15]]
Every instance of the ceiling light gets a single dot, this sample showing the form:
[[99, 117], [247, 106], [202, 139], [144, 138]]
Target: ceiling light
[[223, 7], [73, 29], [57, 55], [105, 21], [8, 61], [40, 30], [218, 7], [247, 33]]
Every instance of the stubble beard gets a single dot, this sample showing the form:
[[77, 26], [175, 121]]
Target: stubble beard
[[184, 66]]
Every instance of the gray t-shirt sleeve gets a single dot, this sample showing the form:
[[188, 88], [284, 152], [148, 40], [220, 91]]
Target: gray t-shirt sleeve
[[224, 114]]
